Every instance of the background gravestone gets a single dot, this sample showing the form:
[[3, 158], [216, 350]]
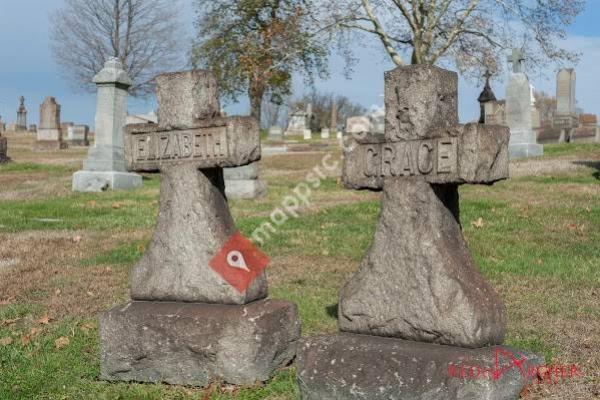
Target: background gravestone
[[566, 118], [4, 150], [244, 182], [186, 324], [418, 302], [77, 135], [523, 142], [49, 134], [104, 167], [21, 124]]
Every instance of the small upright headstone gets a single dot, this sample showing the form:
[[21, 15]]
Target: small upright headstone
[[307, 135], [21, 124], [244, 182], [32, 128], [104, 167], [198, 312], [325, 133], [298, 124], [566, 118], [77, 135], [2, 125], [523, 142], [3, 150], [275, 133], [417, 303], [49, 134]]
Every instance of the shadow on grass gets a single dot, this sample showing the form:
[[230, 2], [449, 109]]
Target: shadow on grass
[[591, 164]]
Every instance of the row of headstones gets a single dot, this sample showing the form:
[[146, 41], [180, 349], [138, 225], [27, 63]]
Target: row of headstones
[[416, 305]]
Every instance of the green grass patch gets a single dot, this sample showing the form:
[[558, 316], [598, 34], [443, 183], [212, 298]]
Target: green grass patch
[[562, 149], [126, 254], [32, 167]]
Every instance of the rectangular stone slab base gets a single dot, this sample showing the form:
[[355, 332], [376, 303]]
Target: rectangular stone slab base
[[349, 366], [522, 150], [245, 189], [100, 181], [195, 344]]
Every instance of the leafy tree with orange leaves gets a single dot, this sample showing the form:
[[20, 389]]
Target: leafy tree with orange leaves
[[254, 46]]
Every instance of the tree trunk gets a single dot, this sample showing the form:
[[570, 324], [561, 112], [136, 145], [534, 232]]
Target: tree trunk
[[256, 93]]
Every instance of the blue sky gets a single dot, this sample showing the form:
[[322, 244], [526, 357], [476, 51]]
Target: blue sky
[[26, 68]]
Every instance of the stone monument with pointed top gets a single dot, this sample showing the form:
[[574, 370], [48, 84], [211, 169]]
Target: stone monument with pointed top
[[519, 112], [104, 167], [487, 95], [566, 118], [49, 132], [21, 124]]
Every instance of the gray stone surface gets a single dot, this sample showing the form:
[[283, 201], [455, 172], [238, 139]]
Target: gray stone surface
[[275, 133], [418, 280], [193, 224], [196, 344], [105, 158], [427, 287], [101, 181], [21, 124], [77, 135], [4, 158], [519, 113], [49, 133], [471, 153], [243, 182], [357, 367]]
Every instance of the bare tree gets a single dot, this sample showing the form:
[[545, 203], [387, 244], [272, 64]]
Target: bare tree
[[472, 34], [144, 34]]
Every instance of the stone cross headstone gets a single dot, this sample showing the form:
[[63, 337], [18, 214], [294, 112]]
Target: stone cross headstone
[[185, 323], [516, 58], [49, 133], [519, 112], [104, 167], [566, 118], [21, 124], [418, 287]]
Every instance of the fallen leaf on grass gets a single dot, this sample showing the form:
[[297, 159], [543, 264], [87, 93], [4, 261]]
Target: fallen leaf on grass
[[57, 292], [6, 341], [25, 340], [91, 294], [34, 332], [7, 322], [87, 327], [116, 206], [478, 223], [61, 342], [92, 203], [77, 239], [45, 320], [141, 248]]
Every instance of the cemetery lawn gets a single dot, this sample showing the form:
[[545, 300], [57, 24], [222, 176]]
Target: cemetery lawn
[[66, 257]]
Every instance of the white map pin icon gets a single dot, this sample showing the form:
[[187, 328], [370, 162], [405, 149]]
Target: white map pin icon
[[235, 259]]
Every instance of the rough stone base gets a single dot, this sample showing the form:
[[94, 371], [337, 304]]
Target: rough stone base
[[348, 366], [523, 150], [196, 344], [245, 189], [99, 181], [49, 145]]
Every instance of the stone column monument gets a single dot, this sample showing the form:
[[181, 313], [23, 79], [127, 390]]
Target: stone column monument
[[523, 142], [21, 124], [104, 167], [194, 319], [566, 117], [417, 307], [49, 133]]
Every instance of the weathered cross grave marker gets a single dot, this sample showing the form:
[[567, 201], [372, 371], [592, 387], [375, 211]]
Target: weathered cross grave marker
[[186, 323], [418, 281]]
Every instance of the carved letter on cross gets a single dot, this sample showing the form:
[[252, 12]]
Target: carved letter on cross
[[418, 280]]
